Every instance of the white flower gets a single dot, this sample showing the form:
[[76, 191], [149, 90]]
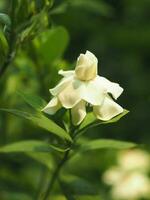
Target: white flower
[[113, 175], [133, 186], [134, 160], [81, 86], [129, 179]]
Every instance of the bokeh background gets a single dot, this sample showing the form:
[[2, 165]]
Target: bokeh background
[[118, 33]]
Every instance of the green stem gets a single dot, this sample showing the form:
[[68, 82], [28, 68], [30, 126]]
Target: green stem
[[55, 175], [56, 172]]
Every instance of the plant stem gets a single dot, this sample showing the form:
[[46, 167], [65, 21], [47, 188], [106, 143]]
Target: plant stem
[[56, 172], [55, 175]]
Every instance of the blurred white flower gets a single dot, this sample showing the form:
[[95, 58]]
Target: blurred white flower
[[128, 179], [134, 160], [81, 86], [113, 175], [132, 186]]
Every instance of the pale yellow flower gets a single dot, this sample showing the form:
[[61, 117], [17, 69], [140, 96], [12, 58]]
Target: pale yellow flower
[[132, 186], [129, 179], [134, 160], [84, 86]]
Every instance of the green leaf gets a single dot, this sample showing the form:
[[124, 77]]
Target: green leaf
[[76, 197], [33, 100], [88, 197], [17, 195], [36, 24], [105, 144], [52, 44], [91, 121], [3, 47], [28, 146], [43, 158], [41, 121], [61, 8], [98, 7], [77, 186], [5, 19], [57, 197]]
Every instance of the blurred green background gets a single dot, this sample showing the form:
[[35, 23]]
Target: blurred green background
[[117, 32]]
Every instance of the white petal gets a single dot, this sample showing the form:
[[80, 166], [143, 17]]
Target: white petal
[[113, 88], [107, 110], [93, 93], [91, 56], [78, 113], [71, 94], [52, 107], [86, 67], [66, 73], [61, 85]]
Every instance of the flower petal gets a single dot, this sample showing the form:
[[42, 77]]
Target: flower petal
[[113, 88], [52, 107], [107, 110], [91, 56], [61, 85], [93, 93], [86, 68], [71, 95], [78, 113], [66, 73]]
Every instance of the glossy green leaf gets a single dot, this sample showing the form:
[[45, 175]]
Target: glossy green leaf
[[5, 19], [41, 121], [91, 121], [28, 146], [105, 144], [33, 100], [52, 44]]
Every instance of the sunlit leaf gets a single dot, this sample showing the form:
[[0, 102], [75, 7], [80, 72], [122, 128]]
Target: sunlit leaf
[[33, 100], [28, 146], [41, 121], [52, 44], [105, 144]]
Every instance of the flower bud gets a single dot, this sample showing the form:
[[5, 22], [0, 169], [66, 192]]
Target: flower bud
[[86, 68]]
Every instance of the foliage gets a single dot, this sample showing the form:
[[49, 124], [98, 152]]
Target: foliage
[[39, 37]]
